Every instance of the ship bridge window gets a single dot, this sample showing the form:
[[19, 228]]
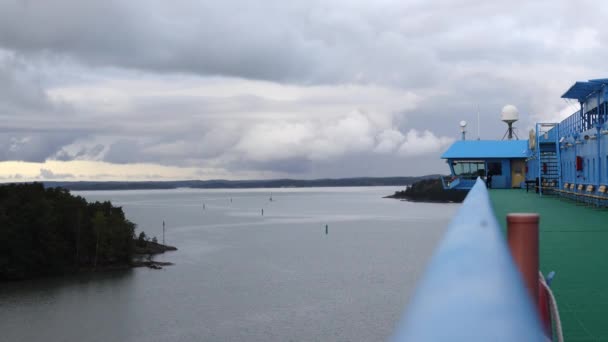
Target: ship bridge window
[[469, 168], [495, 168]]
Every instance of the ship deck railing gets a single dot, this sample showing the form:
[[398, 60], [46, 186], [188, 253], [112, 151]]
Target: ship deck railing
[[461, 182], [471, 289]]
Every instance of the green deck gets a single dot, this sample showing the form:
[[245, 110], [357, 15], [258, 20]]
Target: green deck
[[574, 243]]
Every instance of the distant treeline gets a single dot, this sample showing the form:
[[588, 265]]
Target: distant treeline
[[49, 231], [430, 190], [227, 184]]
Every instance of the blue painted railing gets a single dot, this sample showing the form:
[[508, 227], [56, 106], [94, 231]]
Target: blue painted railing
[[471, 290], [576, 123], [457, 182], [572, 124]]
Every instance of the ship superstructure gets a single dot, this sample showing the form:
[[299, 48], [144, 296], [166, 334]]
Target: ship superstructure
[[573, 151], [471, 288]]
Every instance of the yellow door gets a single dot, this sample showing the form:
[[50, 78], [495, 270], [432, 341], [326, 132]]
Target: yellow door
[[518, 174]]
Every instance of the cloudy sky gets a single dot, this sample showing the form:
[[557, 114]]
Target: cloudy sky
[[156, 89]]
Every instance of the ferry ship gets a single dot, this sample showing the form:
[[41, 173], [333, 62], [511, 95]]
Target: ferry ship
[[569, 152], [476, 287]]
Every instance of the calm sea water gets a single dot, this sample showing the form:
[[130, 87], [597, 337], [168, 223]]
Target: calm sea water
[[241, 276]]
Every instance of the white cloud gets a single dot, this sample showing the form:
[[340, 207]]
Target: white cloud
[[421, 143], [322, 140], [272, 141], [313, 140], [388, 141]]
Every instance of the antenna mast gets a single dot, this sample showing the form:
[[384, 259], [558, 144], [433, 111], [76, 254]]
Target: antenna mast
[[463, 125], [478, 129], [509, 115]]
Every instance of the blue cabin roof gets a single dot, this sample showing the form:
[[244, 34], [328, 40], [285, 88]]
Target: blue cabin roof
[[482, 149], [581, 90]]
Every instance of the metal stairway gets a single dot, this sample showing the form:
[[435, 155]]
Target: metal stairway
[[549, 168], [548, 156]]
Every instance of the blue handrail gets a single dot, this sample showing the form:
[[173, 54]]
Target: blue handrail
[[572, 124], [471, 290]]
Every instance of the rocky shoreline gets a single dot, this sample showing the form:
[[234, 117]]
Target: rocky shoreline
[[156, 265], [151, 247], [142, 257], [430, 190], [147, 250]]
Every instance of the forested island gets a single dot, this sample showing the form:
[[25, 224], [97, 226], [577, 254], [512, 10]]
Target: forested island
[[430, 190], [48, 231]]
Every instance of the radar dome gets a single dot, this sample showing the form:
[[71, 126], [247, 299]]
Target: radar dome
[[509, 114], [463, 123]]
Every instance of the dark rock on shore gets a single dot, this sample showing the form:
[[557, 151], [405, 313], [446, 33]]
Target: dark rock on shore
[[157, 265], [151, 247], [429, 190]]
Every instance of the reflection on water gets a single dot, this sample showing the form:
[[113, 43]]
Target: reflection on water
[[242, 276]]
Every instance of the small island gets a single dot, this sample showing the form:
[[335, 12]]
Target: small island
[[429, 190], [48, 231]]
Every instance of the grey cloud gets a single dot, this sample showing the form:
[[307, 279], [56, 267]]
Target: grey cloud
[[279, 41], [33, 126], [350, 165], [19, 88], [123, 152], [186, 150], [294, 166], [92, 152], [36, 147], [373, 164], [187, 37], [408, 43], [83, 154], [49, 174]]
